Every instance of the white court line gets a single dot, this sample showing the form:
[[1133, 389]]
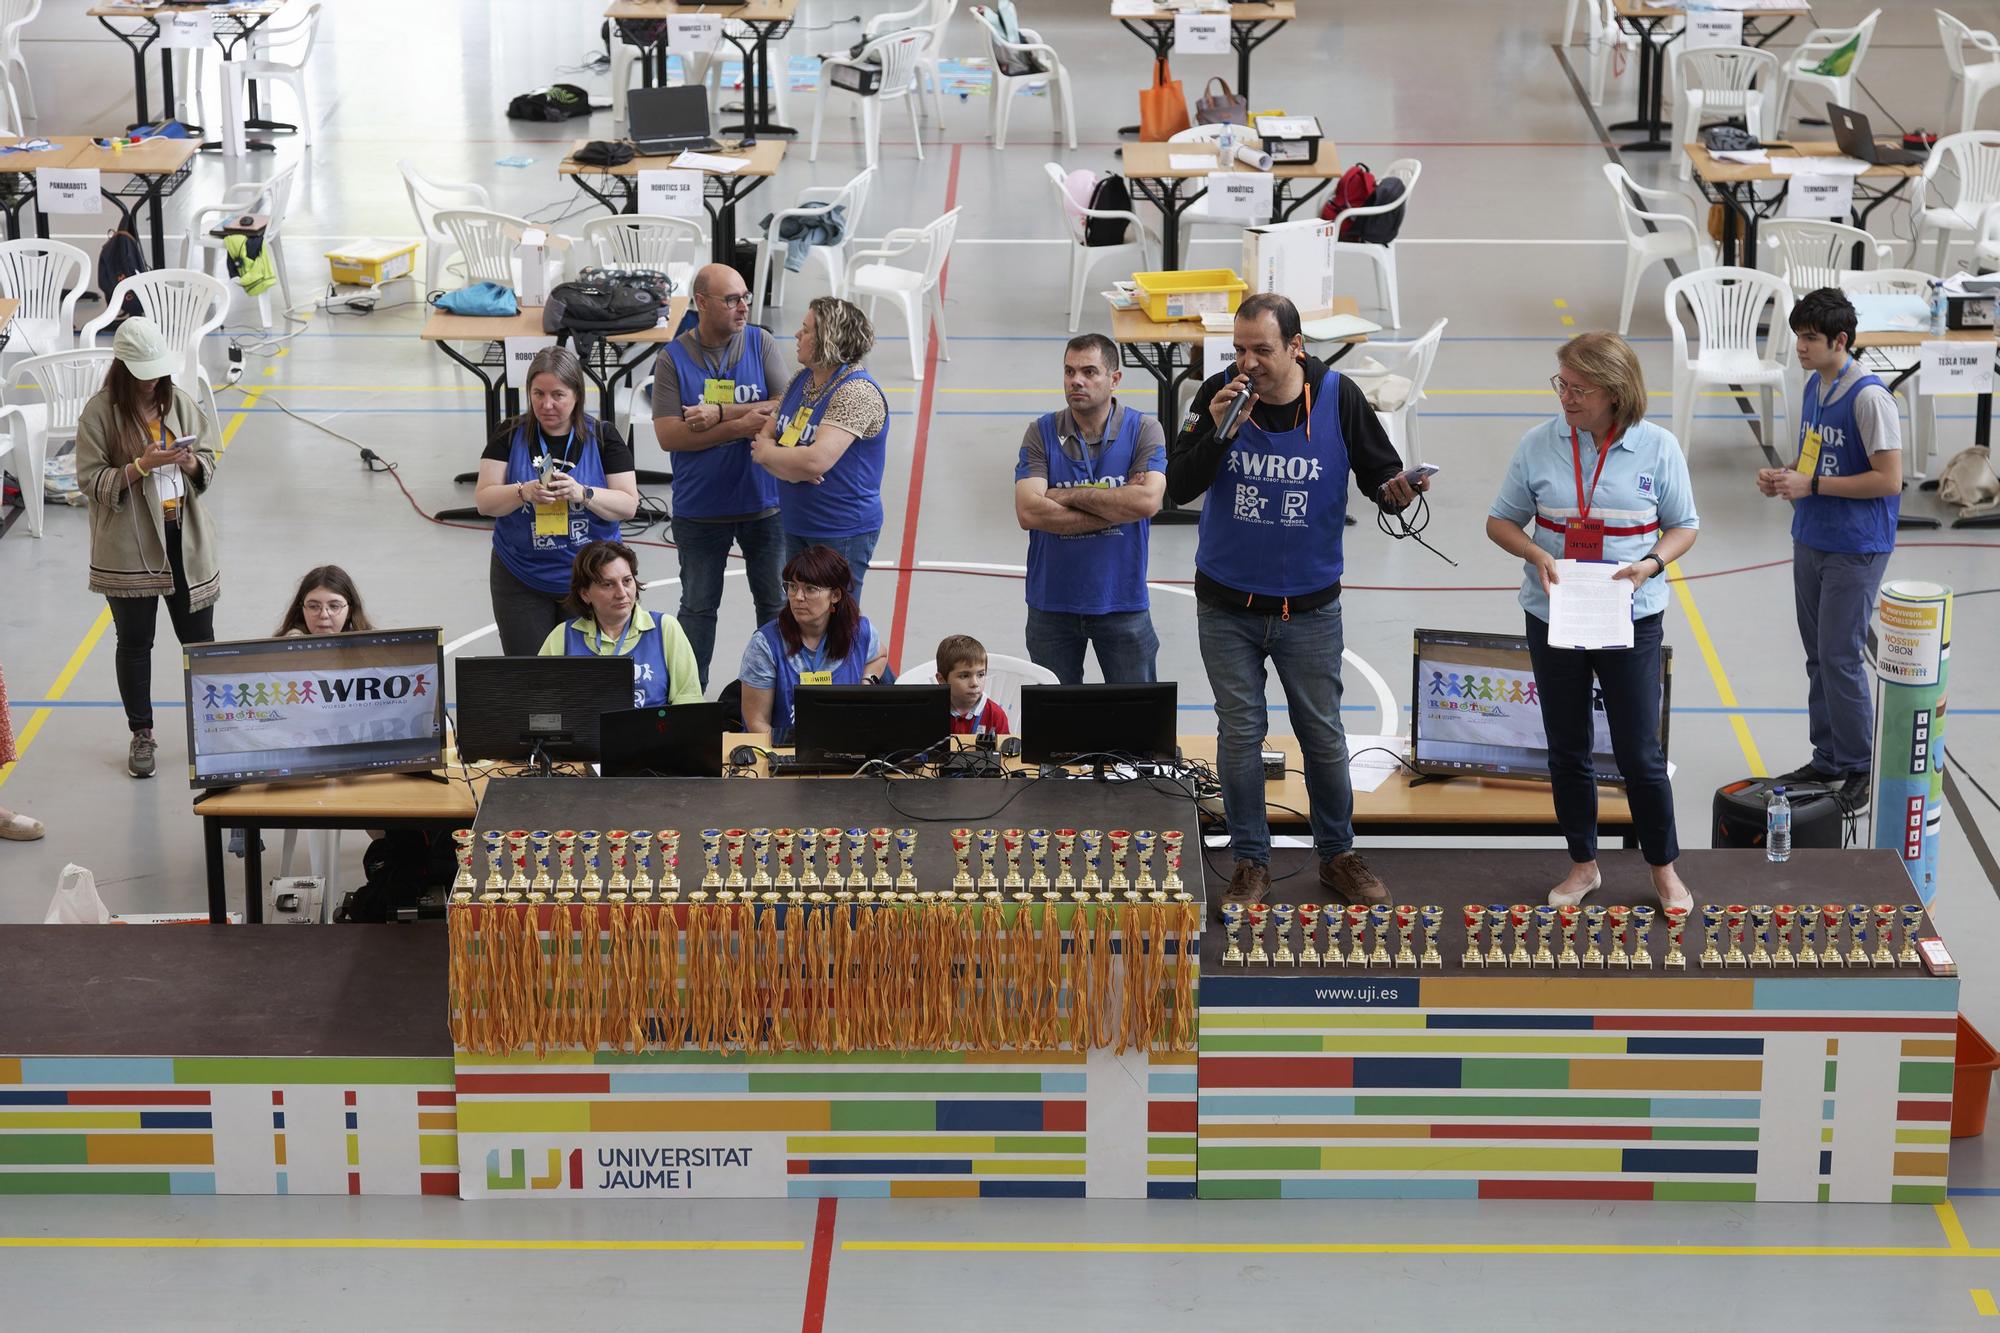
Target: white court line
[[485, 630], [1385, 698]]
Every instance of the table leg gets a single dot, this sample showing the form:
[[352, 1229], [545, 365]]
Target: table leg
[[253, 875], [1159, 361], [1164, 193], [218, 891], [155, 207], [1652, 89], [491, 390], [138, 50], [1247, 37], [757, 86]]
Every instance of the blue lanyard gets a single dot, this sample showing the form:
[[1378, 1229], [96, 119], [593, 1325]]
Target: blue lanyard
[[631, 622], [817, 662], [1819, 395], [543, 440]]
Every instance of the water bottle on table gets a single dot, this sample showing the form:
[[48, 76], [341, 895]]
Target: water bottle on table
[[1777, 826]]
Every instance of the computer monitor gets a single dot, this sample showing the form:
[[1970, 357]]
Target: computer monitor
[[851, 724], [1476, 709], [276, 710], [676, 741], [1062, 724], [538, 709]]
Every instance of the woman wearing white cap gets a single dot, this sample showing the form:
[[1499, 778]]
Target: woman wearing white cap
[[144, 460]]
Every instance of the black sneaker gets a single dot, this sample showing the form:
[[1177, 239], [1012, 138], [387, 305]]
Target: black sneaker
[[1808, 772], [1854, 794]]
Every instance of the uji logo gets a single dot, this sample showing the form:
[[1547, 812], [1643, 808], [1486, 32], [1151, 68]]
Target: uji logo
[[507, 1169]]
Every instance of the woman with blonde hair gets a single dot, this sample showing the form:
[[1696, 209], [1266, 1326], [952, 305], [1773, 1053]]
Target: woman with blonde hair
[[827, 443], [1599, 482]]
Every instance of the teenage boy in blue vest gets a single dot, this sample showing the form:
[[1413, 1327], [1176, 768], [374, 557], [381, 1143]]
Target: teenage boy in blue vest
[[714, 388], [1267, 576], [1846, 487], [1088, 479]]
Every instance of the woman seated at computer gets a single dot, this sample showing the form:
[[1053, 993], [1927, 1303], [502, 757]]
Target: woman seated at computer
[[820, 638], [554, 480], [327, 602], [609, 622]]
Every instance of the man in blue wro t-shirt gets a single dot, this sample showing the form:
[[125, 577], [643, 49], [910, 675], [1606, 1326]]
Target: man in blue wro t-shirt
[[1088, 480], [1267, 575], [1846, 488]]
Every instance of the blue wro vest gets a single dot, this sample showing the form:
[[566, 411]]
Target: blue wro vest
[[850, 670], [1830, 522], [651, 683], [722, 482], [1271, 522], [543, 563], [1092, 573], [847, 501]]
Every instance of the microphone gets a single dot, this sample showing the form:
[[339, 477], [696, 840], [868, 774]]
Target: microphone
[[1236, 410]]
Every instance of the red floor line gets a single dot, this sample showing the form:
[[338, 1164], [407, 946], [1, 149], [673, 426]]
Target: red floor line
[[822, 1259], [916, 496]]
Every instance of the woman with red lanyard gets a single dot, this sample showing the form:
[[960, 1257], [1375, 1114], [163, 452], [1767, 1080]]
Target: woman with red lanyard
[[1601, 483]]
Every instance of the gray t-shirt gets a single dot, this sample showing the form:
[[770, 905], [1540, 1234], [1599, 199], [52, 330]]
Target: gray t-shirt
[[667, 384], [1874, 411], [1149, 456]]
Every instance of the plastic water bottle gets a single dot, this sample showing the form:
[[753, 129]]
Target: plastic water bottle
[[1937, 308], [1777, 826]]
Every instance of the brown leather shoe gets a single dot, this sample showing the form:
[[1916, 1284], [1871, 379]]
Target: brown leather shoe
[[1348, 877], [1248, 884]]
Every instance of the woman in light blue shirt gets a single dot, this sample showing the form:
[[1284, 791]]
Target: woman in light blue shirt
[[1601, 483]]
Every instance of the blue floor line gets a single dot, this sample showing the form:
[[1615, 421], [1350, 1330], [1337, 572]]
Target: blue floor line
[[1973, 1192]]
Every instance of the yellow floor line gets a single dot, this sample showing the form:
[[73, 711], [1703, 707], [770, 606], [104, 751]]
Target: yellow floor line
[[1737, 722], [383, 1243], [1389, 1248], [1954, 1230], [1982, 1301]]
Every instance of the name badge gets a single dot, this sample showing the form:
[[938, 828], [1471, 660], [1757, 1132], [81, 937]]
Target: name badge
[[720, 392], [815, 678], [1583, 539], [1809, 453], [552, 519], [795, 429]]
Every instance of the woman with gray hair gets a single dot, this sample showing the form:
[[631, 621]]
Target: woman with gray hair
[[827, 442], [554, 480]]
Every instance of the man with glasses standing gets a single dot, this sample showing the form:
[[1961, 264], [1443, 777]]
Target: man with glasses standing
[[713, 390]]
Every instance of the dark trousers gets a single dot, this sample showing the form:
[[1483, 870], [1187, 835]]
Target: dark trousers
[[133, 620], [523, 615], [1630, 680]]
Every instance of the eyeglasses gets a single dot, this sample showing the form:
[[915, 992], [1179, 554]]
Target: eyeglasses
[[1564, 389], [325, 608], [805, 590], [739, 299]]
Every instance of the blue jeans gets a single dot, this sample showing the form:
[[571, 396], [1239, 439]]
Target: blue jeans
[[1125, 642], [1833, 592], [704, 552], [857, 551], [1630, 681], [1306, 651]]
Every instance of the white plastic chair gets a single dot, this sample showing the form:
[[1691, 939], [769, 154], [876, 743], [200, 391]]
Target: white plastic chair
[[1972, 79], [186, 303], [1198, 214], [283, 55], [1723, 82], [913, 290], [1808, 253], [1132, 256], [1919, 408], [646, 240], [428, 199], [1973, 159], [15, 16], [932, 16], [1657, 228], [1004, 678], [1051, 75], [273, 199], [1383, 257], [25, 451], [1411, 360], [1607, 39], [851, 199], [1798, 76], [487, 241], [897, 54], [47, 278], [67, 380], [1727, 305]]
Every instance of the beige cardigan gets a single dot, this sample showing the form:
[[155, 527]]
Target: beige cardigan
[[128, 542]]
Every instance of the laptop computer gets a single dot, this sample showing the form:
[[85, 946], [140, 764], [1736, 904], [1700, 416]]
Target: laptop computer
[[1857, 140], [680, 741], [669, 120]]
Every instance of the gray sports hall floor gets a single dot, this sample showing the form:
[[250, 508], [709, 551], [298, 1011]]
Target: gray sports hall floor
[[1512, 235]]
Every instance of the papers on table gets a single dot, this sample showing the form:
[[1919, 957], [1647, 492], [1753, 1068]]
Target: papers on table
[[1192, 161], [1338, 326], [1819, 166], [1368, 769], [709, 162], [1218, 322], [1891, 312], [1126, 9], [1588, 608], [1750, 157]]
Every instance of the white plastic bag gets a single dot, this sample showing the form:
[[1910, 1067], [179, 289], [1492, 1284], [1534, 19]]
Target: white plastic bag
[[76, 902]]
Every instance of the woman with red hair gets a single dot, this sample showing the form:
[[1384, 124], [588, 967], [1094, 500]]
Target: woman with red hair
[[820, 638]]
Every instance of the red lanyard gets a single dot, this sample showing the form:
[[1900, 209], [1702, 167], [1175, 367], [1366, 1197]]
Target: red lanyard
[[1576, 456]]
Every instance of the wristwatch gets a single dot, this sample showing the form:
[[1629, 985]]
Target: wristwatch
[[1815, 483], [588, 492], [1654, 556]]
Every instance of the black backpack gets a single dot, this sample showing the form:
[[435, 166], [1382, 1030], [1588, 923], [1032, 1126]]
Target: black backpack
[[402, 866], [601, 302], [1381, 228], [1111, 196], [558, 101], [119, 258]]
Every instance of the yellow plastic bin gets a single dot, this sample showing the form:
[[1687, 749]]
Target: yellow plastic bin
[[1974, 1082], [372, 263], [1189, 293]]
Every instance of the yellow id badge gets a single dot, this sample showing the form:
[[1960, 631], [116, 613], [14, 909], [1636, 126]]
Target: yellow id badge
[[815, 678], [1809, 454], [795, 429], [552, 519], [720, 392]]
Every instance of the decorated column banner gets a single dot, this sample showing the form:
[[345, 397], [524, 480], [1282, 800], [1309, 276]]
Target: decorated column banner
[[1913, 659]]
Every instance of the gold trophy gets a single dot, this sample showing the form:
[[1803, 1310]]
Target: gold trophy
[[1496, 922], [538, 843], [1517, 919], [1093, 852], [1618, 916], [1711, 926], [1782, 917], [1121, 847], [1830, 917], [1065, 856], [461, 847], [788, 848], [808, 875], [1431, 917], [732, 842], [961, 854], [1010, 844], [1913, 920], [1258, 915], [566, 860], [1593, 944], [1380, 918], [1406, 926], [620, 882], [591, 887], [760, 859], [1308, 922], [878, 843], [711, 858], [642, 874], [829, 843], [1677, 919], [906, 858], [1170, 847], [670, 864], [1760, 935], [1038, 858], [1545, 930], [1474, 915], [1232, 925], [496, 862], [1569, 917], [1733, 918], [1142, 846], [987, 841], [517, 855], [1857, 932], [1357, 936], [1642, 937], [1885, 931], [1282, 956], [857, 874], [1808, 922]]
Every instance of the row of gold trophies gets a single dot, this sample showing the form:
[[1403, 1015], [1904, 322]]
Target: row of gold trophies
[[1605, 932], [519, 865]]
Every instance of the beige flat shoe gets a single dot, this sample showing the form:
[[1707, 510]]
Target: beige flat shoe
[[1561, 897], [21, 829]]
